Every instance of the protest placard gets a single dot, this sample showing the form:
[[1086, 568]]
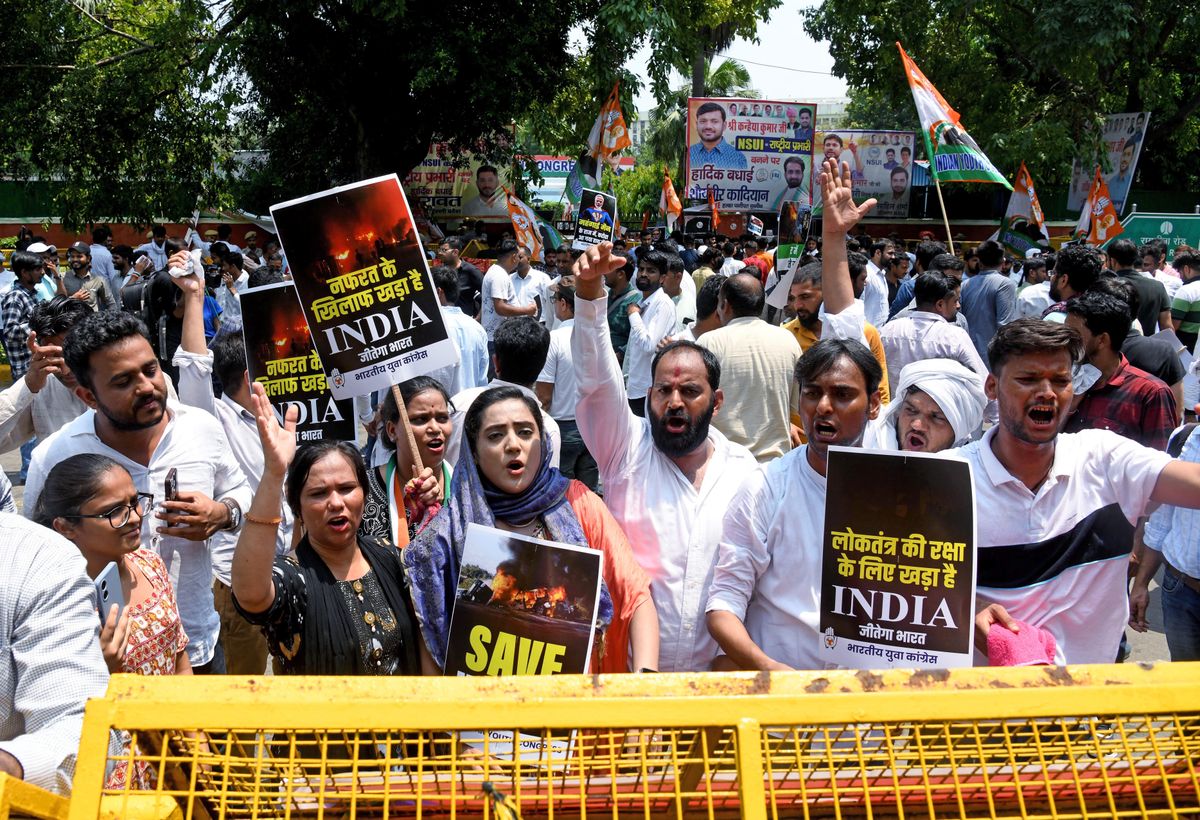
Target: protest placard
[[596, 220], [751, 154], [898, 563], [280, 356], [880, 167], [364, 285], [1123, 136], [523, 606], [793, 230]]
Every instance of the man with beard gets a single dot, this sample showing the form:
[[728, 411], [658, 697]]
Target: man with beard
[[1076, 270], [757, 361], [650, 321], [492, 202], [667, 479], [764, 605], [470, 278], [82, 284], [797, 184], [929, 331], [1054, 546], [805, 299], [131, 422]]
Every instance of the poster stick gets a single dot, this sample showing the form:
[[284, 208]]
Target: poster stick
[[408, 433], [945, 218]]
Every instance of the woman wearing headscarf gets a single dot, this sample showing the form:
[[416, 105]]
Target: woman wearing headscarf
[[340, 605], [939, 404], [503, 479]]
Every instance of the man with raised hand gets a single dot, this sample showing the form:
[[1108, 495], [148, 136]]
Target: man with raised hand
[[668, 478]]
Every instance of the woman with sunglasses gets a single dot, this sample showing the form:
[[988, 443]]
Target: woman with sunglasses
[[90, 500]]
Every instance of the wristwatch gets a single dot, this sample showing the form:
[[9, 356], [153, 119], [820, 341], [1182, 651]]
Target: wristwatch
[[235, 514]]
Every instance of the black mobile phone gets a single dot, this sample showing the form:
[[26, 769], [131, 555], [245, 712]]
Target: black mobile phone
[[171, 485]]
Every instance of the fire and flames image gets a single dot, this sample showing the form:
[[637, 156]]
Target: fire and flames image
[[533, 598]]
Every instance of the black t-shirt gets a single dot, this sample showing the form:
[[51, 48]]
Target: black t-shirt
[[1152, 296], [470, 285], [1155, 356]]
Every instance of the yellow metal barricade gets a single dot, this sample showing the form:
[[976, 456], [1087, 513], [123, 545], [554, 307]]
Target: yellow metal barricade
[[1061, 743], [19, 799]]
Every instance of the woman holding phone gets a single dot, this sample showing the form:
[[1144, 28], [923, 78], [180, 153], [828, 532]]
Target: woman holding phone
[[90, 500]]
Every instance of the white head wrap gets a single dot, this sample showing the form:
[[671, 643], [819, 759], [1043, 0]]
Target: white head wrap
[[957, 389]]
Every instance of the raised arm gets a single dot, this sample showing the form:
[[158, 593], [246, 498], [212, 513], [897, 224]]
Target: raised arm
[[255, 554], [840, 215], [605, 421]]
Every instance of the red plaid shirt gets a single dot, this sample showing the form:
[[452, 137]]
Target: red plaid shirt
[[1132, 403]]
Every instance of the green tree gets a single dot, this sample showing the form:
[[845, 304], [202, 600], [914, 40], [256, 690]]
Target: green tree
[[1032, 79], [638, 192], [667, 135]]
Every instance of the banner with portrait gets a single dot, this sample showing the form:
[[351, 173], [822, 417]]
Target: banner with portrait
[[753, 155], [364, 283], [898, 563], [880, 162], [281, 357], [473, 191], [1123, 135]]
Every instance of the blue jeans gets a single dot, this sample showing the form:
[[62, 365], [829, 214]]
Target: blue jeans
[[26, 452], [1181, 617]]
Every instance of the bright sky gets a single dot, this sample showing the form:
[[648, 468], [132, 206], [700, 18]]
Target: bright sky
[[784, 64]]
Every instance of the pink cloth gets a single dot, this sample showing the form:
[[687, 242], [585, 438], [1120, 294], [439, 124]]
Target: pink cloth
[[1029, 647]]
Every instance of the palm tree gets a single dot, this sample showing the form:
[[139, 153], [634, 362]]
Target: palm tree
[[667, 135]]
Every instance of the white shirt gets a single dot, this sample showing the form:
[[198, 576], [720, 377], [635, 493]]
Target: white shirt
[[471, 340], [231, 303], [875, 296], [497, 284], [1171, 283], [1033, 300], [157, 253], [924, 335], [758, 363], [769, 565], [462, 402], [731, 266], [646, 329], [685, 303], [535, 283], [672, 527], [241, 431], [50, 659], [1058, 559], [1175, 531], [560, 372], [195, 445]]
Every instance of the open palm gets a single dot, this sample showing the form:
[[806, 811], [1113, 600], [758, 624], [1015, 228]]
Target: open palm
[[840, 214], [278, 443]]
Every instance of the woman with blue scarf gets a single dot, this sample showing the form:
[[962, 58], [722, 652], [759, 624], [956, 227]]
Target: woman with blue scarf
[[503, 479]]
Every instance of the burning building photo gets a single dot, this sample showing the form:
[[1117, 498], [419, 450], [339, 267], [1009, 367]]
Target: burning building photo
[[523, 598]]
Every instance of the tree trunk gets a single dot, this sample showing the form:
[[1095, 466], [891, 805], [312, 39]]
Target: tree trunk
[[699, 70]]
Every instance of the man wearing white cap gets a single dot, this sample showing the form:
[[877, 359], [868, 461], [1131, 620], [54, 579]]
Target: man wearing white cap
[[938, 404]]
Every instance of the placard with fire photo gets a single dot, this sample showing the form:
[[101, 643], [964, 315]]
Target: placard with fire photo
[[280, 356], [364, 284], [523, 606]]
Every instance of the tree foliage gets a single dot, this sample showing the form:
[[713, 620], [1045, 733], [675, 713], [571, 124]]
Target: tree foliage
[[638, 191], [1032, 79]]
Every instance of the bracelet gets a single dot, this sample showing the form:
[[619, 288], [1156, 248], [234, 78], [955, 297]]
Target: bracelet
[[270, 522]]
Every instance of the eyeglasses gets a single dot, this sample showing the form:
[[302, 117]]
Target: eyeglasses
[[119, 516]]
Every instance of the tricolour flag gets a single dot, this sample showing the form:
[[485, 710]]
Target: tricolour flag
[[609, 133], [1098, 222], [584, 174], [1024, 226], [525, 227], [668, 201], [953, 155]]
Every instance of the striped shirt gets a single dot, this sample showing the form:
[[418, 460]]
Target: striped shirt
[[1185, 310]]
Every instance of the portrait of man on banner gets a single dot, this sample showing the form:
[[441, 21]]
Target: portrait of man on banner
[[711, 147]]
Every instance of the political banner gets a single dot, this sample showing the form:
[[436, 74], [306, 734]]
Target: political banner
[[750, 155], [597, 220], [447, 193], [281, 357], [793, 231], [523, 606], [1098, 221], [525, 228], [898, 563], [364, 284], [1024, 226], [1123, 135], [954, 156], [881, 166]]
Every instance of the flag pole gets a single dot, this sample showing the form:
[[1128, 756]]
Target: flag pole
[[945, 219]]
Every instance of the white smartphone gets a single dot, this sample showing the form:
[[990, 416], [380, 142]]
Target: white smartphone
[[109, 592]]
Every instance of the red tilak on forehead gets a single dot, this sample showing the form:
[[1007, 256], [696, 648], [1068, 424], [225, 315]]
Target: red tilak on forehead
[[677, 371]]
